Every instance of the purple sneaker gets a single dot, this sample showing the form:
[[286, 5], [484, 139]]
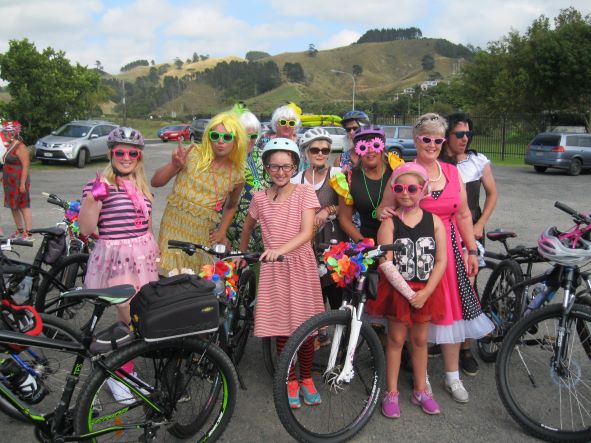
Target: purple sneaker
[[425, 401], [390, 406]]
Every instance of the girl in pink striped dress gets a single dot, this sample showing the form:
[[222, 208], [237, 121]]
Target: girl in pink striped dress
[[289, 291]]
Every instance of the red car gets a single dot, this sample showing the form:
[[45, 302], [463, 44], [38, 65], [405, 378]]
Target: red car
[[176, 132]]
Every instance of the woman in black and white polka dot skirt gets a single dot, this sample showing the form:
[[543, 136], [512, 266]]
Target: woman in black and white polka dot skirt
[[464, 318]]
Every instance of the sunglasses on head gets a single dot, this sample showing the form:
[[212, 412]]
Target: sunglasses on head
[[316, 151], [290, 123], [253, 136], [426, 119], [399, 188], [131, 152], [460, 134], [227, 137], [427, 140]]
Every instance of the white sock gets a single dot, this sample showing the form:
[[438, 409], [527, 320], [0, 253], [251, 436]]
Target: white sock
[[451, 376]]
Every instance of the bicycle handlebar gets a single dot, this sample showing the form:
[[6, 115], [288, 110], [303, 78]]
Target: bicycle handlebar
[[576, 215], [191, 248], [55, 200], [16, 242], [377, 250]]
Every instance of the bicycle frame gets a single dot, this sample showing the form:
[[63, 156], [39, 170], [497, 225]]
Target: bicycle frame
[[53, 423]]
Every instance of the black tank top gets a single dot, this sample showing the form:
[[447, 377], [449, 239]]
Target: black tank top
[[415, 262]]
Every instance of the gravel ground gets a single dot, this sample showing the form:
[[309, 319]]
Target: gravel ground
[[525, 206]]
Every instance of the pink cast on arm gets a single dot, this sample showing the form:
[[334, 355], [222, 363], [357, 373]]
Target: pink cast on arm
[[396, 280]]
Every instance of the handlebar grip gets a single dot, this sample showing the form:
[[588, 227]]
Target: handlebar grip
[[392, 247], [17, 242], [57, 202], [180, 244], [565, 208]]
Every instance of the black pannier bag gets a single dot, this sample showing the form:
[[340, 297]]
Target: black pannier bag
[[175, 307]]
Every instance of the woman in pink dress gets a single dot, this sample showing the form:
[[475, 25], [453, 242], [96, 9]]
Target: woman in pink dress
[[463, 318], [289, 290]]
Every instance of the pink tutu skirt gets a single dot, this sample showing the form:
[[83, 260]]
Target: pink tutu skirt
[[131, 261]]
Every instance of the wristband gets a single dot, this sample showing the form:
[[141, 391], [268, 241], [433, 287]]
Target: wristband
[[472, 252]]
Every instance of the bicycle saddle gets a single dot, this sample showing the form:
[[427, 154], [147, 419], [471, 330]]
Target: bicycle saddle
[[53, 231], [500, 235], [113, 295]]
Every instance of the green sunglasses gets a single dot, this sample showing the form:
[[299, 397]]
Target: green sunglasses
[[253, 136], [227, 137]]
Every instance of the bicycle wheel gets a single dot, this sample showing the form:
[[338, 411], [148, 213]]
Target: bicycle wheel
[[549, 402], [346, 407], [502, 305], [189, 387], [51, 368], [243, 314], [484, 273], [66, 275]]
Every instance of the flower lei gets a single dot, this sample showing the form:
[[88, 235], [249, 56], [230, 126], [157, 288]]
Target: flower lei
[[376, 144], [347, 268], [71, 215], [222, 270]]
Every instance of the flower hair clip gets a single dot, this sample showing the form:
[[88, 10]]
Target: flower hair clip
[[377, 144]]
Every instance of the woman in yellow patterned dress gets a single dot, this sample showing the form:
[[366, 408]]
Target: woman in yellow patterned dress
[[205, 194]]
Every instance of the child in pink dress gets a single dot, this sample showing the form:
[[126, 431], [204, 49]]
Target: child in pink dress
[[289, 290]]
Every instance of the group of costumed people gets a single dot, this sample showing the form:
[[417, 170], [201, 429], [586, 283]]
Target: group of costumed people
[[276, 194]]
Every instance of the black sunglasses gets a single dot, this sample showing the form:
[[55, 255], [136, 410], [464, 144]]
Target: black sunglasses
[[460, 134], [316, 151]]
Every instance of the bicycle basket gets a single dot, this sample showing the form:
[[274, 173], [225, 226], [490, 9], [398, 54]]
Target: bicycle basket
[[175, 307], [55, 249]]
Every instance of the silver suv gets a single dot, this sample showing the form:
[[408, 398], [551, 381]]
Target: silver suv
[[562, 150], [76, 142]]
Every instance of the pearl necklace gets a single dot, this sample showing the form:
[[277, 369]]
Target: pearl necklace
[[440, 173]]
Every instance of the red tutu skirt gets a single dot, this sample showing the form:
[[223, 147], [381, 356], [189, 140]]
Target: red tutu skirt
[[393, 305]]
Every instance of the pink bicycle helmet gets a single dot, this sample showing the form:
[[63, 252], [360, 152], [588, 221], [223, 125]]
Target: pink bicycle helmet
[[553, 249]]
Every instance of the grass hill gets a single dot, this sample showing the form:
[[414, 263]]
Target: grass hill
[[388, 67]]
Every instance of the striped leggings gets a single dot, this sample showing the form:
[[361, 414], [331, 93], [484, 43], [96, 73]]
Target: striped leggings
[[305, 357]]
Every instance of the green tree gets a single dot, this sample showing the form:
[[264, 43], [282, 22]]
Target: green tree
[[46, 90], [294, 72], [428, 62], [178, 62], [546, 69], [252, 56], [357, 70]]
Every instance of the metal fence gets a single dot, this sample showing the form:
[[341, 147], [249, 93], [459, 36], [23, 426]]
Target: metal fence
[[502, 136]]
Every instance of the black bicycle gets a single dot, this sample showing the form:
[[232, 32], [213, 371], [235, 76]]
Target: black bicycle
[[500, 302], [183, 387], [543, 372], [238, 312], [349, 370]]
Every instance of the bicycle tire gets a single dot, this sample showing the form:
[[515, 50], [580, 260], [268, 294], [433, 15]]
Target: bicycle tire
[[244, 313], [40, 361], [557, 399], [483, 275], [269, 349], [196, 360], [502, 307], [354, 402], [67, 274]]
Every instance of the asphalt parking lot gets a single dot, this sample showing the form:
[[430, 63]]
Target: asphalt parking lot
[[525, 205]]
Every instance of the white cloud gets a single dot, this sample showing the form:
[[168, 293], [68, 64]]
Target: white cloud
[[343, 38]]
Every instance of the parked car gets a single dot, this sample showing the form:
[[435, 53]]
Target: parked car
[[399, 140], [563, 150], [338, 136], [197, 129], [176, 132], [162, 129], [76, 142]]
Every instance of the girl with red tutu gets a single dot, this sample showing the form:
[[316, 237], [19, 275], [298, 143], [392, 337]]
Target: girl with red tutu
[[410, 292]]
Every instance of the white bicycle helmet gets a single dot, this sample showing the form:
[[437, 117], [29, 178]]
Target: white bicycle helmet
[[553, 249], [314, 134], [281, 144]]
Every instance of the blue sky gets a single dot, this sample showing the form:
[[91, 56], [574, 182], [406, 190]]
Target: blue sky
[[116, 32]]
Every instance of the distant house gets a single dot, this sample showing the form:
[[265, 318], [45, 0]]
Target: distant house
[[428, 84], [409, 90]]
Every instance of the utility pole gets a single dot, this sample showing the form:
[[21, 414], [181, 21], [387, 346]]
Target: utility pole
[[124, 104]]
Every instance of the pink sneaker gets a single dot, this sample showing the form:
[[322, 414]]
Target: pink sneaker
[[425, 401], [390, 406]]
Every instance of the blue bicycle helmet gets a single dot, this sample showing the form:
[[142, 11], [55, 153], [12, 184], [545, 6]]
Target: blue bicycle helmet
[[360, 116]]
